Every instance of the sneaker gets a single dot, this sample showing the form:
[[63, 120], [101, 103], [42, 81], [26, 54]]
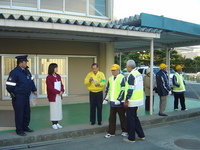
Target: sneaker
[[108, 135], [127, 140], [54, 126], [184, 109], [124, 134], [140, 138], [176, 109], [59, 126], [162, 114]]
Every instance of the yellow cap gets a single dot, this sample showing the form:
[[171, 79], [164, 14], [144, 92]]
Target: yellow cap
[[115, 67], [162, 66], [178, 67]]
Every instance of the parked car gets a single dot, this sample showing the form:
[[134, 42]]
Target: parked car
[[142, 69]]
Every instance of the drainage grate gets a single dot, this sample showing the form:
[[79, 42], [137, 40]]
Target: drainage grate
[[188, 143]]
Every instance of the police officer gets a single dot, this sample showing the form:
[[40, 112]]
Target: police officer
[[20, 85], [134, 95]]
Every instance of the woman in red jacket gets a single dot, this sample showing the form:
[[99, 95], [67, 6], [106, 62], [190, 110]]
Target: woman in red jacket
[[55, 90]]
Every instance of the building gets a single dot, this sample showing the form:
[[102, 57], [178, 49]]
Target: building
[[73, 34]]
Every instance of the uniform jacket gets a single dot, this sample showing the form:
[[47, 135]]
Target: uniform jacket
[[162, 81], [20, 81], [51, 92], [99, 78]]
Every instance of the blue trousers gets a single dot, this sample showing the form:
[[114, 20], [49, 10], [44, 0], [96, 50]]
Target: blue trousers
[[21, 105], [96, 100], [133, 124]]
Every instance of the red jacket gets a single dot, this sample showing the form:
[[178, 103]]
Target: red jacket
[[51, 92]]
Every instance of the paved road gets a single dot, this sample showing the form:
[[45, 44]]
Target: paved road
[[192, 90], [157, 138]]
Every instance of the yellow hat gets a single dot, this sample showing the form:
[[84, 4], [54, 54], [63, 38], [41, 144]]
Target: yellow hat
[[115, 67], [178, 67], [162, 66]]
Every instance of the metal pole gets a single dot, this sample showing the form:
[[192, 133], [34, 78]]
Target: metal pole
[[168, 62], [151, 75], [120, 58]]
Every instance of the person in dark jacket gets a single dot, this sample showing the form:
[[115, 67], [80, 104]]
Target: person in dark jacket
[[20, 85], [163, 87]]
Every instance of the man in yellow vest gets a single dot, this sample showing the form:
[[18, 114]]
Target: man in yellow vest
[[134, 94], [179, 88], [95, 82], [115, 93]]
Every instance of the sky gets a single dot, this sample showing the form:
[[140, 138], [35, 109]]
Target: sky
[[185, 10]]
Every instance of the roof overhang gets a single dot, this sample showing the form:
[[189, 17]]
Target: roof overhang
[[21, 27]]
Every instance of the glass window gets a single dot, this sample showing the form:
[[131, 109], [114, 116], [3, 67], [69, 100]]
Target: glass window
[[43, 64], [25, 3], [5, 2], [75, 6], [97, 7], [51, 4]]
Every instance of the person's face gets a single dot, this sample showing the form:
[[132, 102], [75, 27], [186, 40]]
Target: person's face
[[129, 69], [179, 70], [23, 64], [56, 70], [115, 72], [165, 69], [95, 69]]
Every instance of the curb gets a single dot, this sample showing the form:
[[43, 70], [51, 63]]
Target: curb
[[42, 135]]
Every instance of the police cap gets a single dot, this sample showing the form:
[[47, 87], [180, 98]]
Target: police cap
[[22, 58]]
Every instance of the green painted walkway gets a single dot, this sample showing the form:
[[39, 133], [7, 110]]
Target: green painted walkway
[[79, 113]]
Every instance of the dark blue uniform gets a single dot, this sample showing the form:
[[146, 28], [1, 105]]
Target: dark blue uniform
[[20, 84]]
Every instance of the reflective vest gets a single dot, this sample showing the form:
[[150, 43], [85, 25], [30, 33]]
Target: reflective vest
[[180, 79], [115, 87], [138, 93]]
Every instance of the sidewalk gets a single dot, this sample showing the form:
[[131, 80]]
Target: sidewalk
[[76, 121]]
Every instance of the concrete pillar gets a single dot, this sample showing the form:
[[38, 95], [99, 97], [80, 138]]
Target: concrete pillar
[[106, 58]]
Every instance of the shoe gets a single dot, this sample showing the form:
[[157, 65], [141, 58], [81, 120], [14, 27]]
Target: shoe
[[99, 123], [28, 130], [21, 134], [59, 126], [108, 135], [92, 123], [162, 115], [54, 126], [176, 109], [127, 140], [184, 109], [140, 138], [124, 134]]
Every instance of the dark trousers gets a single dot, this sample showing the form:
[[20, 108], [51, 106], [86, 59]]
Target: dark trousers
[[133, 124], [96, 100], [112, 119], [147, 103], [22, 111], [180, 96]]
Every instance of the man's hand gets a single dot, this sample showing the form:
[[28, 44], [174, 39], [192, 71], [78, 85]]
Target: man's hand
[[117, 102], [97, 84], [35, 93], [91, 79], [105, 102], [170, 93], [61, 93]]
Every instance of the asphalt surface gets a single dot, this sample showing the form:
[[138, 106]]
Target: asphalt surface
[[192, 90], [178, 135]]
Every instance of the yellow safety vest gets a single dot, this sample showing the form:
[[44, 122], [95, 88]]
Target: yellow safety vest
[[180, 79], [115, 87], [138, 93]]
